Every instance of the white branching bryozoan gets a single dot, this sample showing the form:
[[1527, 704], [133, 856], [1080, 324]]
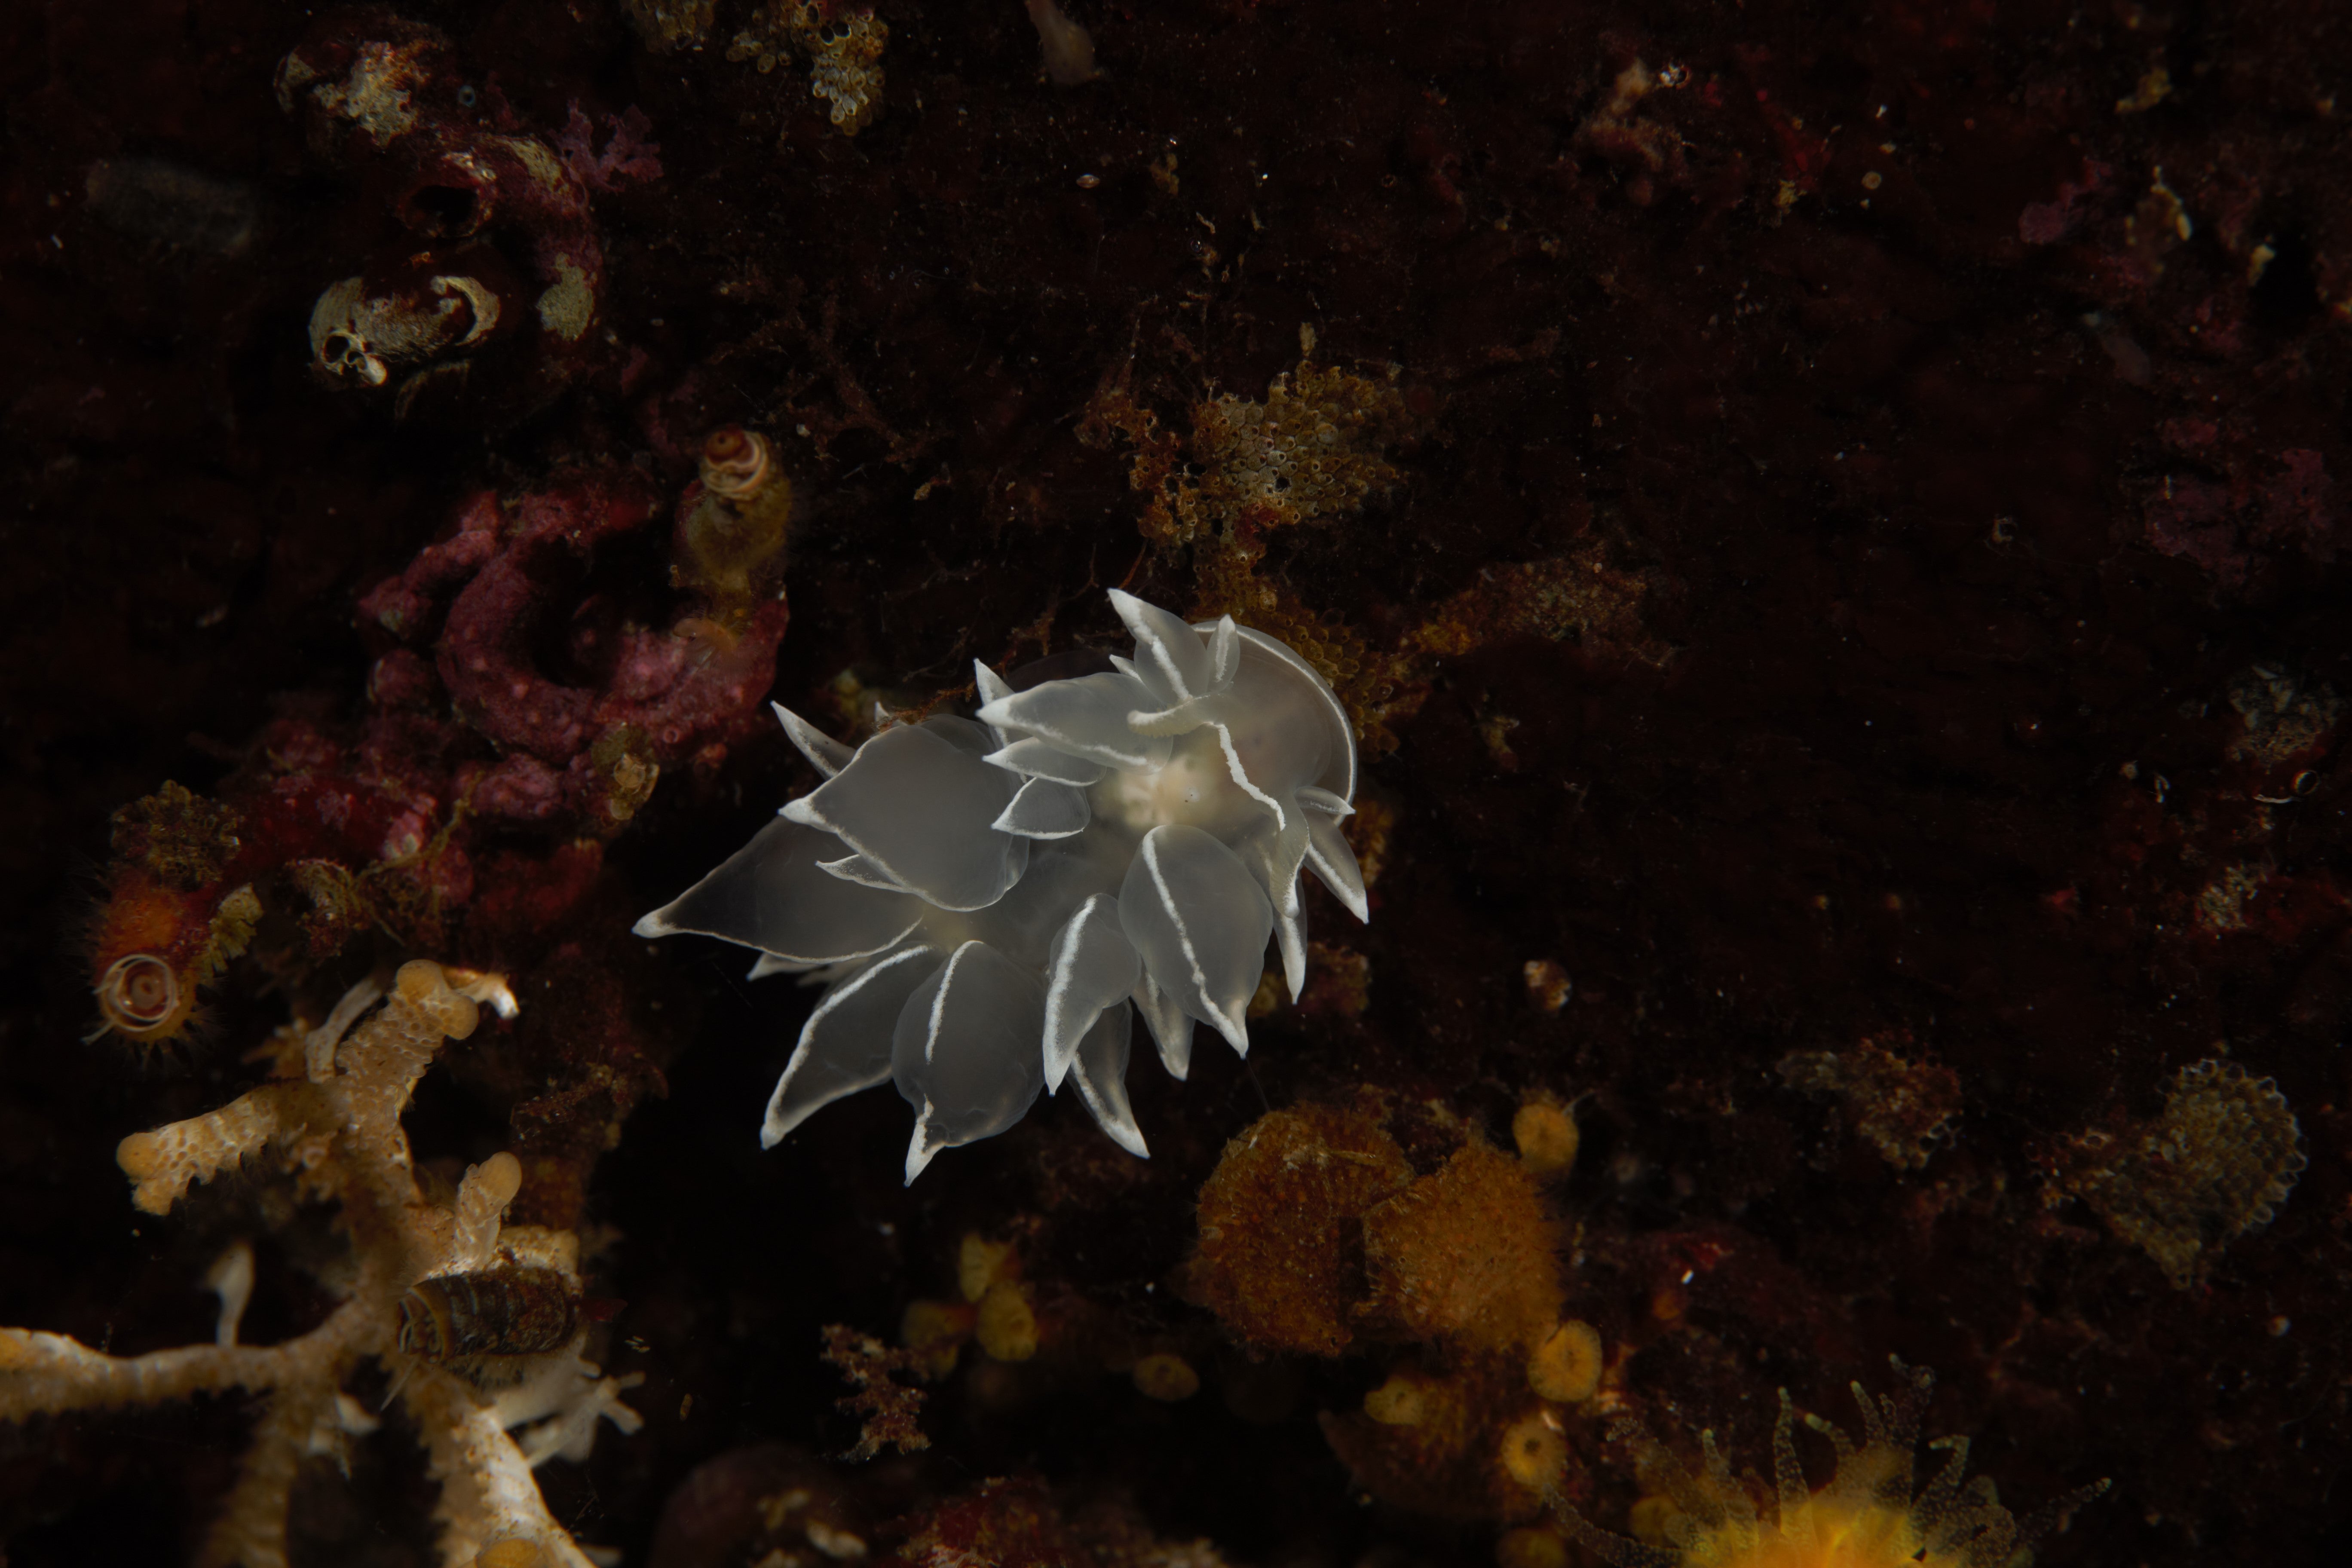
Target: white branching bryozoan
[[339, 1132]]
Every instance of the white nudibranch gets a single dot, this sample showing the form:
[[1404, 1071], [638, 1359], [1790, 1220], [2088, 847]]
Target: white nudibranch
[[988, 903]]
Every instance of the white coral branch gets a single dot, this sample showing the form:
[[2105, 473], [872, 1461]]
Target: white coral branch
[[163, 1164], [43, 1373], [251, 1529], [482, 1199], [231, 1278], [488, 1494], [342, 1130], [569, 1389]]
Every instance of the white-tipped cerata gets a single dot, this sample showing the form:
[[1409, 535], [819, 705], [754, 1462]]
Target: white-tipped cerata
[[845, 1044], [828, 755], [1091, 968], [1200, 923], [990, 905]]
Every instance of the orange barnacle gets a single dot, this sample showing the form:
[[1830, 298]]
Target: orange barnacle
[[152, 945], [166, 927], [1867, 1517], [142, 997]]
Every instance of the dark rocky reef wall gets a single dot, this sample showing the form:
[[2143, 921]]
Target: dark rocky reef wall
[[1826, 518]]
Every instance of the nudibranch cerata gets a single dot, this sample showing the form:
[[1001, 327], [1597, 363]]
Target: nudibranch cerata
[[987, 902]]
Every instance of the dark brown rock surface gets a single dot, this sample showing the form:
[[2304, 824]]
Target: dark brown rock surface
[[1840, 523]]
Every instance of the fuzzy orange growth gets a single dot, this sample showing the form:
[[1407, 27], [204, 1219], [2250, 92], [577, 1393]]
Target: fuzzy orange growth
[[144, 914], [1317, 1234], [1280, 1258], [1867, 1517], [1113, 414], [1464, 1256]]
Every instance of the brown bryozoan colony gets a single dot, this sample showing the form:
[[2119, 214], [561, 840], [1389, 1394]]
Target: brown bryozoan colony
[[337, 1133], [2216, 1164]]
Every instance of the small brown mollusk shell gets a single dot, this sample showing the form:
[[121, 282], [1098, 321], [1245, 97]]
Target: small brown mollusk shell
[[737, 464], [142, 998], [490, 1312]]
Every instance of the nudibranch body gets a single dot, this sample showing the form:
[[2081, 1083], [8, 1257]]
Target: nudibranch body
[[988, 902]]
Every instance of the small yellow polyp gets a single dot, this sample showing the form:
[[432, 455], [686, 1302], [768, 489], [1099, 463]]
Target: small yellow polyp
[[1167, 1377], [1534, 1451], [1008, 1326], [1648, 1518], [1531, 1546], [938, 1329], [1397, 1403], [1547, 1137], [514, 1552], [979, 1263], [1566, 1368]]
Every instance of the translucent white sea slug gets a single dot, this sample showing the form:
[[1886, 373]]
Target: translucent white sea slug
[[987, 903]]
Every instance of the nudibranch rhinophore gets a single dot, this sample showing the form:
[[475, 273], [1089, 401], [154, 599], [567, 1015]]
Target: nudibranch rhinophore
[[988, 902]]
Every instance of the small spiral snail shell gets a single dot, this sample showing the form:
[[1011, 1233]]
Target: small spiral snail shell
[[737, 464], [141, 996]]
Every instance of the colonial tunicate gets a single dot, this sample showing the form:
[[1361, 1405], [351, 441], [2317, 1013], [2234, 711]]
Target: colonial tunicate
[[989, 902]]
